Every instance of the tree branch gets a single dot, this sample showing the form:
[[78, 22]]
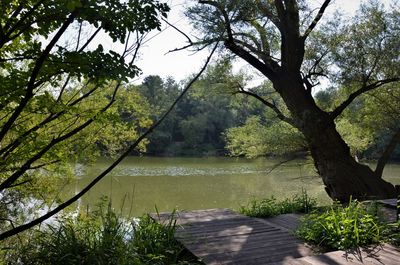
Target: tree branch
[[62, 206], [336, 112], [272, 106], [6, 183], [387, 153], [280, 8], [35, 72], [269, 70], [180, 31], [225, 16], [264, 9], [316, 19], [5, 151]]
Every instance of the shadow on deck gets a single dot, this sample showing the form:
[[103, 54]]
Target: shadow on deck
[[221, 236]]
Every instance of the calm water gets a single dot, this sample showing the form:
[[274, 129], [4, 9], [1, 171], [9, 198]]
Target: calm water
[[199, 183]]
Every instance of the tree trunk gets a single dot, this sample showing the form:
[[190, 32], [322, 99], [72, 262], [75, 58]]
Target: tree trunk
[[343, 177]]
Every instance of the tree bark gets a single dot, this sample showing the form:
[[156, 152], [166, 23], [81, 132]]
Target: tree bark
[[343, 177]]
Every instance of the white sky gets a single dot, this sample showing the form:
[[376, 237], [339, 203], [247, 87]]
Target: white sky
[[155, 59]]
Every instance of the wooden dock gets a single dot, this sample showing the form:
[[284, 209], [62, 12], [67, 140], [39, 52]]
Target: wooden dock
[[221, 236]]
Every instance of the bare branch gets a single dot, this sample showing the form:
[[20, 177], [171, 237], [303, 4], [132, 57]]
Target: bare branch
[[336, 112], [90, 39], [180, 31], [316, 19], [62, 206], [203, 44], [387, 153]]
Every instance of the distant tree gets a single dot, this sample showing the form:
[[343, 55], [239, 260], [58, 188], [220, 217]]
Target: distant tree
[[280, 39], [160, 93], [58, 88]]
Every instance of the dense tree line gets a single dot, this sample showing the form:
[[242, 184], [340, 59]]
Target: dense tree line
[[197, 124], [215, 120]]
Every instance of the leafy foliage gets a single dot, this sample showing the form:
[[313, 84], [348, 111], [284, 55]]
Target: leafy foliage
[[59, 92], [341, 227], [257, 139]]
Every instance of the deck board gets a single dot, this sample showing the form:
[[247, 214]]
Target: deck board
[[221, 236]]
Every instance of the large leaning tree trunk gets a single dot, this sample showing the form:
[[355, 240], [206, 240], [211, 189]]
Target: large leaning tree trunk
[[251, 29], [342, 175]]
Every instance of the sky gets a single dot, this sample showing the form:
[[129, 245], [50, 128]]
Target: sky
[[154, 57]]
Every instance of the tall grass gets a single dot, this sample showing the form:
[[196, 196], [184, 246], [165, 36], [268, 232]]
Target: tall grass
[[101, 237], [299, 203], [341, 227]]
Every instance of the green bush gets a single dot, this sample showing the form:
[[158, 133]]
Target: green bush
[[100, 237], [299, 203], [341, 227]]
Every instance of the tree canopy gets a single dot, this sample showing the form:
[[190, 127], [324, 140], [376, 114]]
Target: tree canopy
[[61, 91]]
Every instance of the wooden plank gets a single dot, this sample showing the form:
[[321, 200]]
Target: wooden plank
[[206, 234], [221, 236], [289, 221], [185, 217], [239, 243]]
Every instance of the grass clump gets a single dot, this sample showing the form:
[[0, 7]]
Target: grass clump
[[299, 203], [391, 234], [341, 227], [101, 237]]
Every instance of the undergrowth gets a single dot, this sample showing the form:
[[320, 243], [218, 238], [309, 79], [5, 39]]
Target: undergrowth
[[342, 227], [102, 237], [299, 203]]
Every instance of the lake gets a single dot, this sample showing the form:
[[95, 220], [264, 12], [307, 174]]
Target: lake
[[139, 184]]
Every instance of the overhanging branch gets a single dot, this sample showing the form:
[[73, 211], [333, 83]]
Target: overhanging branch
[[272, 106], [336, 112], [62, 206]]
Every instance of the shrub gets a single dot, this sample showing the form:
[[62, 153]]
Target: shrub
[[341, 227], [299, 203]]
